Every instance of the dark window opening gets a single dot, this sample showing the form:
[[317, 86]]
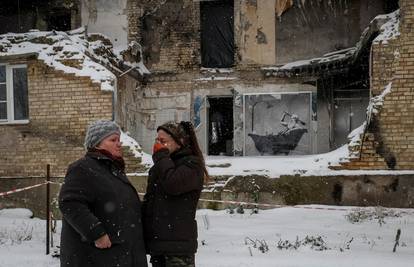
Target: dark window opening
[[391, 6], [220, 126], [217, 34], [23, 15], [59, 19]]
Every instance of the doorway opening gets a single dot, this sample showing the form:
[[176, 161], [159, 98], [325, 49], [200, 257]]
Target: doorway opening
[[220, 126]]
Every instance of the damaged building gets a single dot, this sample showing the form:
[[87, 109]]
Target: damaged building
[[256, 77], [263, 77], [260, 77]]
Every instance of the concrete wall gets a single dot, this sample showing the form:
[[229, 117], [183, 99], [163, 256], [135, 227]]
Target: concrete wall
[[383, 190], [144, 107], [315, 27], [255, 31], [141, 108], [387, 191], [108, 17]]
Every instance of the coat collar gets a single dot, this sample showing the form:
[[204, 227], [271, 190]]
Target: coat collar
[[182, 152], [105, 155], [116, 168]]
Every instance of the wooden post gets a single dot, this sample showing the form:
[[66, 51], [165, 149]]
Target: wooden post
[[47, 209]]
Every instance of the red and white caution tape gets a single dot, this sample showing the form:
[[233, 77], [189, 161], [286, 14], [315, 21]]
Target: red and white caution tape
[[27, 188], [21, 189], [241, 203]]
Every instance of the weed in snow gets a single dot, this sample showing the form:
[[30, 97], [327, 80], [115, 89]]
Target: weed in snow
[[16, 235], [313, 242], [261, 245], [360, 215]]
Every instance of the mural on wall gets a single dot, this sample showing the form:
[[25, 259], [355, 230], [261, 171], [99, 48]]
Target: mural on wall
[[277, 124], [198, 102]]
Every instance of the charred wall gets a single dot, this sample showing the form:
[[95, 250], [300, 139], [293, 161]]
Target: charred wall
[[169, 34], [22, 16], [312, 27]]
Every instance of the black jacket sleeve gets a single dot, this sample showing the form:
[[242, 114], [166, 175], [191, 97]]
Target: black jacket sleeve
[[180, 179], [75, 199]]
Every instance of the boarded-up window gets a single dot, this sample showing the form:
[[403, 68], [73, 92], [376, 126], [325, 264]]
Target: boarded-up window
[[217, 34]]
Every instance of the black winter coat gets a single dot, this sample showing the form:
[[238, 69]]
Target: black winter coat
[[96, 199], [174, 186]]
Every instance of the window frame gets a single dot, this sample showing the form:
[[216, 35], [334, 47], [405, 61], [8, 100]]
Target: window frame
[[10, 95]]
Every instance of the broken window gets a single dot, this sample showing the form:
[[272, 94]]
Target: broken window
[[217, 34], [14, 104], [220, 126]]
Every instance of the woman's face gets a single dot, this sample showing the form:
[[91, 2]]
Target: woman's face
[[112, 144], [166, 140]]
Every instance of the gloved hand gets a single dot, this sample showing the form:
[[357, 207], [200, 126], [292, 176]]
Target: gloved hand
[[157, 147]]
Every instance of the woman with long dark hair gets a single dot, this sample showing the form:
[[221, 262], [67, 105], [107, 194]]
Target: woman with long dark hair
[[174, 187]]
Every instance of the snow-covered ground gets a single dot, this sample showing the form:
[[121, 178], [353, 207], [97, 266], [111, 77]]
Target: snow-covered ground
[[289, 237]]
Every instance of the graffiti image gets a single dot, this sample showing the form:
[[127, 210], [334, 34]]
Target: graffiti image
[[284, 141], [277, 124]]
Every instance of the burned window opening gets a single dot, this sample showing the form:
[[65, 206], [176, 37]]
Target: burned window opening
[[22, 16], [59, 19], [220, 126], [391, 6], [160, 28], [217, 34]]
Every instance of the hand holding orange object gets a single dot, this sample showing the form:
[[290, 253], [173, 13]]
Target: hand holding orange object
[[157, 147]]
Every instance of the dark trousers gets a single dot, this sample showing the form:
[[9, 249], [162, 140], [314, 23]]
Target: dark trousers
[[173, 261]]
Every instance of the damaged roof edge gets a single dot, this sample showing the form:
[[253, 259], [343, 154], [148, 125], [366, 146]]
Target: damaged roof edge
[[25, 56], [73, 52], [337, 61]]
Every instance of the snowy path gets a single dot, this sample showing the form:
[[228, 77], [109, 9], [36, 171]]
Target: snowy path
[[224, 240]]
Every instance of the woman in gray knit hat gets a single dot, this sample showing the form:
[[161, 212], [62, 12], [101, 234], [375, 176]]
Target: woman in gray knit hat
[[101, 224]]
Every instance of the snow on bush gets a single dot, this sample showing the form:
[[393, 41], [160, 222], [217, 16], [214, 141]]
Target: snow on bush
[[16, 234], [360, 215]]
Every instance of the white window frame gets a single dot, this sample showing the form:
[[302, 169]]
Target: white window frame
[[9, 95]]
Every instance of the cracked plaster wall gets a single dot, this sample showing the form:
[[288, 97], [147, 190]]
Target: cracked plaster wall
[[107, 17]]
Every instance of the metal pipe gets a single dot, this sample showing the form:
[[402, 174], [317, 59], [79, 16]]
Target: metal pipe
[[47, 209]]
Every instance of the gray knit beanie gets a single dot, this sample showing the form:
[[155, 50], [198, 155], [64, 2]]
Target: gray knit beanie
[[98, 130]]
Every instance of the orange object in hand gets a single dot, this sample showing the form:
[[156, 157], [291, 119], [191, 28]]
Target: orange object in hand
[[157, 147]]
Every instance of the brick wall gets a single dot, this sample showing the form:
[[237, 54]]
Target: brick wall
[[391, 131], [60, 108], [397, 118], [168, 31], [133, 15]]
